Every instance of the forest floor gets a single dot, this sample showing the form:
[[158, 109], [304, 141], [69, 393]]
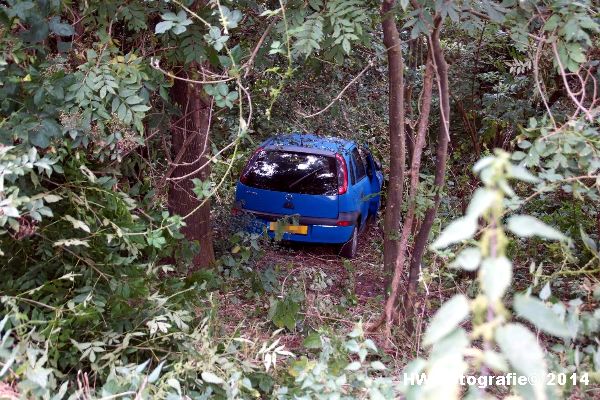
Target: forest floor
[[336, 294]]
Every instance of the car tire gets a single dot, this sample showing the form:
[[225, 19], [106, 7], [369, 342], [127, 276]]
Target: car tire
[[348, 249]]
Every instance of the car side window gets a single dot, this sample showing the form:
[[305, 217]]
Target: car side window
[[367, 157], [352, 171], [360, 165]]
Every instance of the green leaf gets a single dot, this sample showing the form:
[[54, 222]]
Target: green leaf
[[525, 356], [378, 366], [495, 274], [174, 383], [19, 9], [122, 112], [458, 230], [209, 377], [10, 211], [552, 23], [38, 375], [133, 99], [589, 243], [346, 46], [527, 226], [452, 345], [61, 392], [155, 239], [494, 11], [482, 200], [545, 292], [525, 144], [450, 314], [38, 30], [518, 155], [153, 377], [179, 29], [483, 163], [163, 26], [313, 341], [229, 18], [353, 366], [522, 174], [222, 89], [495, 361], [375, 394], [541, 316], [77, 224], [169, 16], [284, 313], [214, 32], [61, 29], [39, 139], [116, 102], [468, 259], [140, 108], [71, 242], [140, 368], [446, 365]]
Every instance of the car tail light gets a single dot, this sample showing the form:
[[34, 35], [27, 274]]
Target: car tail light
[[244, 177], [344, 223], [342, 174]]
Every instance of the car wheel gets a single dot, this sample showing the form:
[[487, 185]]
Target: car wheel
[[349, 248]]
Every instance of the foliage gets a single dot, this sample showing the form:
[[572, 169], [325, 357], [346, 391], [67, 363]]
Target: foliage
[[97, 299], [325, 378], [519, 350], [284, 312], [568, 158]]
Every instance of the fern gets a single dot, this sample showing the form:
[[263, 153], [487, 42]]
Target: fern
[[308, 35], [192, 45], [135, 16], [340, 22], [346, 18]]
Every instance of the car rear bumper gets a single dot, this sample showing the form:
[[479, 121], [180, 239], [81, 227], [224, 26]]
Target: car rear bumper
[[320, 230]]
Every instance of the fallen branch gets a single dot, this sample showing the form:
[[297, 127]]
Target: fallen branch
[[340, 94]]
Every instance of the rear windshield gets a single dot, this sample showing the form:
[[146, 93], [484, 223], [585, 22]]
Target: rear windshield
[[292, 172]]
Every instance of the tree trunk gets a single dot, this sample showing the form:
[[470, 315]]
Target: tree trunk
[[392, 220], [190, 150], [469, 126], [413, 48], [392, 257], [441, 68], [414, 185]]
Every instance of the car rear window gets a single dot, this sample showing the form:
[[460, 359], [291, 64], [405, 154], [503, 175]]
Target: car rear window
[[292, 172]]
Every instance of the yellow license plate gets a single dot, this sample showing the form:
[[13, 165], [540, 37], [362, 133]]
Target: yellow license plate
[[297, 229]]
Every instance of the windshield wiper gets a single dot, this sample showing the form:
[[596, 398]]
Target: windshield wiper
[[297, 181]]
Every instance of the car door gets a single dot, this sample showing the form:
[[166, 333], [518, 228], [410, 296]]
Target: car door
[[375, 176], [362, 185]]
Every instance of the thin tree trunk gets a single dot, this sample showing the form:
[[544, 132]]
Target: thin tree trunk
[[189, 139], [393, 260], [441, 68], [469, 126], [416, 166], [408, 92]]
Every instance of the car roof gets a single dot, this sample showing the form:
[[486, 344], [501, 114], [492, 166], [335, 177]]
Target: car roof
[[303, 141]]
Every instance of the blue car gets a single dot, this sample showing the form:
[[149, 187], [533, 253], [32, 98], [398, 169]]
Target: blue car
[[328, 186]]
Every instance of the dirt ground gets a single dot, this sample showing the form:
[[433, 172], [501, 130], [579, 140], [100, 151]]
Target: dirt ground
[[337, 294]]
